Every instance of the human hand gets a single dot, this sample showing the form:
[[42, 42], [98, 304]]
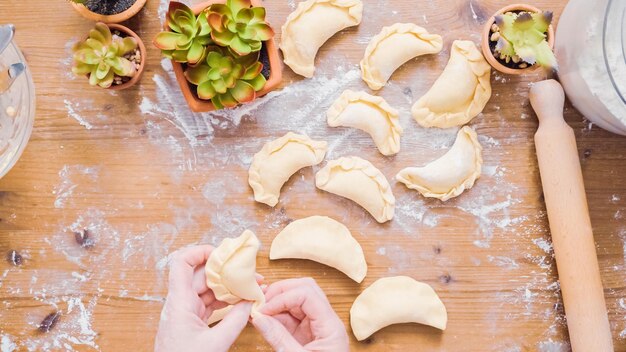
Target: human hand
[[189, 303], [298, 317]]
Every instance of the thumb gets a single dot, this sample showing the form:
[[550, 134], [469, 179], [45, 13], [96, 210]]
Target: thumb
[[275, 333], [233, 323]]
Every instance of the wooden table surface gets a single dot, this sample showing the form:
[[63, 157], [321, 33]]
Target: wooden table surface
[[145, 177]]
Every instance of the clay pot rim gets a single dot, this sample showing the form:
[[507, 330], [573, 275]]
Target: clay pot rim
[[485, 40], [199, 105], [117, 18], [142, 63]]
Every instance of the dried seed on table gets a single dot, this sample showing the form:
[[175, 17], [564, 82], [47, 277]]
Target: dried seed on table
[[49, 322], [15, 258], [83, 239]]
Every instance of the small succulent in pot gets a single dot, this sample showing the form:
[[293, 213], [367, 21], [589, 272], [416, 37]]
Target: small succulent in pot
[[239, 26], [105, 58], [188, 37], [225, 79], [520, 39]]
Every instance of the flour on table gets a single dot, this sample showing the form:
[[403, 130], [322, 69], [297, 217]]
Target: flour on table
[[73, 112]]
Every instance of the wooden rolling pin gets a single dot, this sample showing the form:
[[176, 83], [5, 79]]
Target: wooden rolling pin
[[572, 237]]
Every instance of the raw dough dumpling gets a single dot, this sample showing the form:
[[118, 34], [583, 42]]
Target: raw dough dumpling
[[231, 270], [360, 181], [311, 25], [371, 114], [460, 93], [324, 240], [451, 174], [278, 160], [394, 300], [394, 46]]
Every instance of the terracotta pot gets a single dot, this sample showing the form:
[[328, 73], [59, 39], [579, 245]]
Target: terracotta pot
[[117, 18], [485, 40], [199, 105], [142, 63]]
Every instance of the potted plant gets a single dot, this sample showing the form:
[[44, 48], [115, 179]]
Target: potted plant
[[108, 11], [112, 57], [223, 53], [519, 38]]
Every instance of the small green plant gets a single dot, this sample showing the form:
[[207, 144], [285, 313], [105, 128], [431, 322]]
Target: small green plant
[[226, 79], [522, 37], [189, 35], [238, 26], [101, 56], [77, 1]]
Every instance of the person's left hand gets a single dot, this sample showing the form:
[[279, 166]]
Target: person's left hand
[[189, 303]]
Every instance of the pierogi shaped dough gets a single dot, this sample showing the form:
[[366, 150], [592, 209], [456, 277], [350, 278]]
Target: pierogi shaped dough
[[278, 160], [394, 46], [452, 173], [324, 240], [460, 93], [368, 113], [394, 300], [311, 25], [360, 181], [231, 270]]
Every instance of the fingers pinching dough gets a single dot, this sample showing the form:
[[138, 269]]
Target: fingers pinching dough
[[451, 174], [394, 300], [368, 113], [360, 181], [278, 160], [394, 46], [311, 25], [460, 93], [231, 270], [324, 240]]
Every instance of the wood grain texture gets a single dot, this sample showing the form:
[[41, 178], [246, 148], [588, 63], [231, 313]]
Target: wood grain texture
[[147, 184]]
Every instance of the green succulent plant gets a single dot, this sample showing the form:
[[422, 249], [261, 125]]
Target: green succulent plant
[[238, 26], [226, 79], [189, 35], [523, 35], [101, 56]]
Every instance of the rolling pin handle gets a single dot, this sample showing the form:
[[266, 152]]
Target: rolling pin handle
[[547, 99]]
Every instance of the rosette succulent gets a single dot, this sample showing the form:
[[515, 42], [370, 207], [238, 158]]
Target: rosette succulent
[[226, 79], [522, 36], [189, 35], [101, 56], [238, 26]]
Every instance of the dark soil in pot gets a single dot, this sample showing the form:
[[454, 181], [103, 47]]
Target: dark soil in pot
[[108, 7], [265, 60]]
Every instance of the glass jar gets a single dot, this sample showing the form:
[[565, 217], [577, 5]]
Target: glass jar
[[591, 50], [17, 110]]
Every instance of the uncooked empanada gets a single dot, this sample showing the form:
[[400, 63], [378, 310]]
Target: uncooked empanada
[[324, 240], [460, 93], [311, 25], [360, 181], [394, 46], [278, 160], [371, 114], [231, 270], [451, 174], [394, 300]]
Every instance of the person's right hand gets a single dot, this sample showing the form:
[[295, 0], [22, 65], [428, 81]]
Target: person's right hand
[[298, 317]]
